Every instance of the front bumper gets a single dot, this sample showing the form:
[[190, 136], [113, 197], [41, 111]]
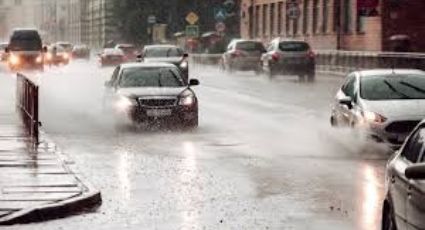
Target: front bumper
[[175, 114], [380, 133], [288, 67]]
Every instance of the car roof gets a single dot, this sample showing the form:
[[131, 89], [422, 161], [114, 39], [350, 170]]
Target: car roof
[[124, 45], [113, 51], [377, 72], [160, 46], [146, 65]]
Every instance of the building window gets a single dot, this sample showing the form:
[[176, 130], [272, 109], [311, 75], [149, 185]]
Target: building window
[[272, 21], [295, 26], [257, 20], [279, 17], [315, 15], [265, 9], [287, 20], [305, 16], [251, 19], [336, 16], [325, 16], [360, 26], [347, 16]]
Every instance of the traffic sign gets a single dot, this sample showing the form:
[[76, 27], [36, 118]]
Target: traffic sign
[[293, 11], [152, 19], [220, 14], [192, 18], [220, 27], [192, 31]]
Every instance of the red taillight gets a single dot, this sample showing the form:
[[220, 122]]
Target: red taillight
[[236, 53], [311, 54], [275, 56]]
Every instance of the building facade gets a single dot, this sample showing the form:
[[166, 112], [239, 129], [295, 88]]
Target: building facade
[[335, 24]]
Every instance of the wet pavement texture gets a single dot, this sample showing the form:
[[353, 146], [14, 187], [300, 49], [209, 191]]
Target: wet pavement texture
[[263, 157]]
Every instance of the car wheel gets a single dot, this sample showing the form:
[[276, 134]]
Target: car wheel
[[388, 221], [333, 121]]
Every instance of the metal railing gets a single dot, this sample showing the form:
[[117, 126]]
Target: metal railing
[[343, 61], [27, 105]]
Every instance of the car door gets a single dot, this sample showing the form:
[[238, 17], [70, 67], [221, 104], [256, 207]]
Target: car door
[[399, 184], [344, 114], [415, 203]]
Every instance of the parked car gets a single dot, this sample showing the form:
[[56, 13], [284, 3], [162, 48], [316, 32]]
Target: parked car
[[168, 54], [289, 57], [111, 57], [67, 46], [404, 204], [243, 55], [130, 51], [150, 92], [25, 50], [81, 52], [3, 54], [57, 55], [386, 103]]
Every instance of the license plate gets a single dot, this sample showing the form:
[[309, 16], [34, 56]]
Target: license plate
[[158, 112]]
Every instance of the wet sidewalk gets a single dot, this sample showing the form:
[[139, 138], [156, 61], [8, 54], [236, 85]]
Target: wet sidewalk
[[36, 183]]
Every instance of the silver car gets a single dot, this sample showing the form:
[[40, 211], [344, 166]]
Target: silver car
[[387, 103], [243, 55]]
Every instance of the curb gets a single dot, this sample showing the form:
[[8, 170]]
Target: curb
[[88, 200]]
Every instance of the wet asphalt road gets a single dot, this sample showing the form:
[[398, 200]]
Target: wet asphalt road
[[264, 157]]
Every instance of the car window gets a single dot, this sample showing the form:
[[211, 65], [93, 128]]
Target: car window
[[250, 46], [294, 46], [349, 86], [163, 52], [150, 77], [414, 146], [393, 87]]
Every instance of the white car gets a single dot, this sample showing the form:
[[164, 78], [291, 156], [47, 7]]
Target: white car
[[387, 103]]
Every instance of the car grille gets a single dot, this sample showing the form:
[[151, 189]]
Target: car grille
[[401, 126], [157, 102]]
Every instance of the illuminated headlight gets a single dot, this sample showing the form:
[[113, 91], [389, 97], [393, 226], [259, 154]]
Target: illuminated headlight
[[373, 117], [184, 65], [49, 56], [14, 60], [187, 98], [39, 59], [124, 104], [65, 56]]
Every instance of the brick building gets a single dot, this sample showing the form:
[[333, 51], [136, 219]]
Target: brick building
[[336, 24]]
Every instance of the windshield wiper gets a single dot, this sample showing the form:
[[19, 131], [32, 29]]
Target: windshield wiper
[[413, 87], [404, 96]]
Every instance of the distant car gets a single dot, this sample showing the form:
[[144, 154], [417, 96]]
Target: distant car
[[168, 54], [81, 52], [66, 45], [243, 55], [149, 92], [289, 57], [57, 55], [386, 103], [111, 57], [3, 54], [25, 50], [404, 204], [130, 51]]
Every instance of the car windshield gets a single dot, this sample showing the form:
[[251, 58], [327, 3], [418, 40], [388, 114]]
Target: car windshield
[[25, 40], [293, 46], [163, 52], [250, 46], [66, 46], [393, 87], [128, 49], [150, 77]]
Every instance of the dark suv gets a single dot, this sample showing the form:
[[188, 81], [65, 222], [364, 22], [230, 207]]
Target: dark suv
[[289, 57], [25, 50], [404, 205]]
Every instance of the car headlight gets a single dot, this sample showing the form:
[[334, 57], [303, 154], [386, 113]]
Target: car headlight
[[123, 104], [39, 59], [373, 117], [49, 56], [14, 60], [65, 56], [187, 98], [184, 65]]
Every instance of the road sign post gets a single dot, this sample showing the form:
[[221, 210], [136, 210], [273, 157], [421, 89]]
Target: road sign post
[[192, 31]]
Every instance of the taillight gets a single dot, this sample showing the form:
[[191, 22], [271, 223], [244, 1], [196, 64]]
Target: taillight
[[275, 56], [236, 53], [311, 54]]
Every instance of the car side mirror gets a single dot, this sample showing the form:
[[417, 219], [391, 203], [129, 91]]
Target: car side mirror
[[6, 50], [185, 55], [44, 49], [415, 172], [193, 82], [347, 101]]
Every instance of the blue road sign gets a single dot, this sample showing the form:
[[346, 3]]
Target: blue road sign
[[220, 14]]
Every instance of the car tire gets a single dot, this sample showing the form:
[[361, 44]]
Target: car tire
[[388, 221]]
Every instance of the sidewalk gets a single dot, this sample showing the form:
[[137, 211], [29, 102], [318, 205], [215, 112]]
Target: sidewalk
[[35, 183]]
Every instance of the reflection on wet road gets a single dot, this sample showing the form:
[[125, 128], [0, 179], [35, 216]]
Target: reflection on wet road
[[264, 157]]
